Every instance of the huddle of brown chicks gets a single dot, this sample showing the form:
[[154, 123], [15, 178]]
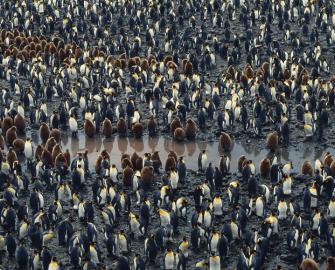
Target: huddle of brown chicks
[[309, 264]]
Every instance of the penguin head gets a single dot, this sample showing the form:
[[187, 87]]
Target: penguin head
[[54, 260]]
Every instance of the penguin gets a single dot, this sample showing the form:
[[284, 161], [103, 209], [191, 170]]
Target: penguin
[[273, 222], [35, 260], [181, 169], [174, 124], [214, 262], [274, 172], [137, 129], [22, 257], [18, 145], [107, 128], [264, 167], [47, 258], [121, 127], [309, 131], [316, 220], [287, 168], [226, 142], [49, 145], [169, 260], [306, 168], [44, 132], [282, 209], [233, 192], [174, 179], [260, 207], [235, 229], [147, 175], [55, 133], [224, 165], [28, 149], [20, 123], [11, 245], [272, 141], [122, 242], [123, 263], [114, 174], [11, 135], [330, 260], [190, 129], [150, 248], [76, 256], [217, 205], [6, 124], [152, 126], [164, 216], [23, 229], [127, 175], [309, 264], [202, 160], [73, 125], [89, 128], [331, 208], [252, 186], [54, 265], [179, 134], [170, 163]]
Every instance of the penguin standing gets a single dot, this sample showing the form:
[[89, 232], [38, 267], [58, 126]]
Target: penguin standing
[[282, 209], [114, 174], [260, 207], [169, 260], [28, 150], [181, 168], [22, 257], [214, 262], [53, 264], [73, 125], [150, 248], [202, 160]]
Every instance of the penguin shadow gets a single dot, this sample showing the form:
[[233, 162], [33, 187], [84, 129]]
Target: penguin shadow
[[74, 145], [153, 142], [137, 144], [167, 144], [64, 140], [307, 153], [257, 151], [191, 148], [284, 153], [34, 137], [318, 152], [247, 146], [178, 147], [222, 152], [272, 154], [202, 145], [122, 144], [90, 145], [108, 144], [98, 143]]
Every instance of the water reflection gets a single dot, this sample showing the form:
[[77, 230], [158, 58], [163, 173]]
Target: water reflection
[[153, 142], [122, 145], [74, 147], [108, 144], [190, 150]]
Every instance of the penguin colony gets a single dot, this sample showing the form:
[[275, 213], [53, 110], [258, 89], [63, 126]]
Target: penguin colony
[[238, 69]]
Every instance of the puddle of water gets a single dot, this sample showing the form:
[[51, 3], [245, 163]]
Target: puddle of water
[[190, 150]]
